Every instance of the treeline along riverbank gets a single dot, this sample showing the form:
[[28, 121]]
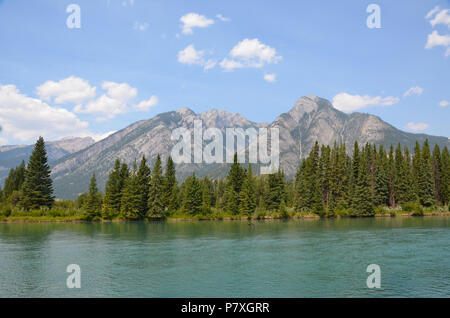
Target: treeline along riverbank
[[373, 181]]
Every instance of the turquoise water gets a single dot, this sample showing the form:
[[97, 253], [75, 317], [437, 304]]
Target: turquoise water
[[305, 258]]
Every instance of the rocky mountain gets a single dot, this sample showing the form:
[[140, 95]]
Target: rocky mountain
[[12, 156], [311, 118]]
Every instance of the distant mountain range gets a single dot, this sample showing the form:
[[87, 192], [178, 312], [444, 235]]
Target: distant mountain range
[[12, 156], [311, 118]]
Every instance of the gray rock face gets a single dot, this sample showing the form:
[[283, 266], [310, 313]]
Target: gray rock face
[[311, 118]]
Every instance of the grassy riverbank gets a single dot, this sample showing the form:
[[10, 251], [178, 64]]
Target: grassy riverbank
[[79, 216]]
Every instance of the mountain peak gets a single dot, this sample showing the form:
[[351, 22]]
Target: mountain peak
[[185, 111]]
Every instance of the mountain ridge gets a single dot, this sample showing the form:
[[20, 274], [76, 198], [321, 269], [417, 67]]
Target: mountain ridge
[[311, 118]]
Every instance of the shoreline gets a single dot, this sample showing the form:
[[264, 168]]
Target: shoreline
[[200, 219]]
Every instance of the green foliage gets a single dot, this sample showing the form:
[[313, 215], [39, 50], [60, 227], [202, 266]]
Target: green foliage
[[247, 196], [113, 191], [155, 198], [93, 203], [192, 203], [37, 187]]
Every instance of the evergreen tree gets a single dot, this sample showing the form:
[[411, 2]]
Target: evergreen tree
[[437, 173], [113, 192], [361, 203], [426, 194], [192, 203], [247, 196], [381, 196], [143, 183], [155, 198], [93, 204], [236, 175], [37, 187], [131, 204], [206, 187], [170, 186], [14, 181], [445, 178]]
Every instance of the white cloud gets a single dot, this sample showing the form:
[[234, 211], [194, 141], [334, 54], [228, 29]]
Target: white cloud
[[270, 77], [194, 20], [145, 105], [25, 118], [417, 126], [432, 12], [348, 103], [116, 101], [442, 17], [416, 90], [444, 103], [192, 56], [222, 18], [69, 90], [140, 26], [229, 65], [209, 64], [434, 39], [250, 53]]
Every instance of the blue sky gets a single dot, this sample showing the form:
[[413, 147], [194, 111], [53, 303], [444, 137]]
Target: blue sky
[[131, 60]]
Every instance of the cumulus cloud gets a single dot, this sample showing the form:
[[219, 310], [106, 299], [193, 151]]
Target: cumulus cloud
[[270, 77], [417, 126], [442, 17], [191, 56], [444, 103], [140, 26], [25, 118], [250, 53], [434, 39], [194, 20], [432, 12], [222, 18], [115, 101], [69, 90], [145, 105], [348, 103], [416, 90]]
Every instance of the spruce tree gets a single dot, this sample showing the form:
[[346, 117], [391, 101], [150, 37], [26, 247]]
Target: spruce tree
[[206, 196], [437, 173], [14, 181], [192, 202], [381, 196], [130, 207], [247, 196], [445, 178], [92, 207], [361, 203], [426, 194], [143, 183], [38, 187], [113, 193], [155, 198], [170, 186]]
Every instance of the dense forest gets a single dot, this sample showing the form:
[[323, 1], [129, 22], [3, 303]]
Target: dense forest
[[328, 183]]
